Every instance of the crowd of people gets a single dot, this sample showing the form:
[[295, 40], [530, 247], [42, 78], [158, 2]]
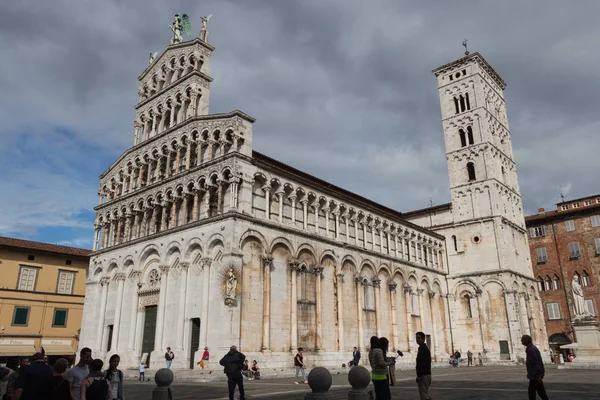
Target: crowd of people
[[37, 380]]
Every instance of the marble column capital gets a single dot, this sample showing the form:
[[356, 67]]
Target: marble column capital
[[431, 294], [104, 281], [407, 289], [392, 286], [420, 291], [317, 270], [119, 277], [293, 263], [184, 265], [376, 282], [134, 274], [206, 262], [267, 260], [164, 269]]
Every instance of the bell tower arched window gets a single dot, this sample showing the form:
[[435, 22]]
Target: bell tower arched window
[[466, 304], [471, 171], [470, 134], [463, 138]]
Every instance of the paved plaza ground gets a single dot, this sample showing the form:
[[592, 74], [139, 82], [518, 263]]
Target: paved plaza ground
[[493, 383]]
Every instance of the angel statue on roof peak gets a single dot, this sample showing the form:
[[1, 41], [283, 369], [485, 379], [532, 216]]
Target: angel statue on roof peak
[[181, 24]]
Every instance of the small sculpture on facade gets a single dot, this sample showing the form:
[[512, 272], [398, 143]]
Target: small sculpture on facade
[[230, 289], [179, 26], [204, 29], [152, 57], [579, 306]]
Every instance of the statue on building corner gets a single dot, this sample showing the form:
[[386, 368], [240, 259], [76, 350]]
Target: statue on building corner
[[152, 57], [204, 29], [230, 289], [181, 24], [579, 306]]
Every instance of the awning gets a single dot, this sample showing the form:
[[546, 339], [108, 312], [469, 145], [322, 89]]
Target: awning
[[58, 350], [7, 350]]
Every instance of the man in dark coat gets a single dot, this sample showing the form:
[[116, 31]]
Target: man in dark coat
[[355, 357], [232, 363], [423, 367], [535, 369]]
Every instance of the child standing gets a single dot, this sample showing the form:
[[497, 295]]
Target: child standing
[[142, 371]]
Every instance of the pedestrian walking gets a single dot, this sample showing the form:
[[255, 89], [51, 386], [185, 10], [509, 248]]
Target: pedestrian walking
[[379, 370], [142, 371], [355, 356], [61, 388], [169, 356], [79, 372], [480, 357], [551, 356], [469, 358], [203, 363], [114, 376], [35, 381], [95, 386], [299, 364], [535, 369], [423, 367], [232, 363]]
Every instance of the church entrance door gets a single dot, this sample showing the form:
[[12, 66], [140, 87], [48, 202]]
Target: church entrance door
[[149, 331], [195, 345], [504, 350]]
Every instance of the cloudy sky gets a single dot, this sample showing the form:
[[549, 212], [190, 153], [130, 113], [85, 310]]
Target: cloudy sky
[[341, 89]]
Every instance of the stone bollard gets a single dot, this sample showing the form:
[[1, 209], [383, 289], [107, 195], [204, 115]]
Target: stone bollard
[[319, 380], [359, 378], [163, 379]]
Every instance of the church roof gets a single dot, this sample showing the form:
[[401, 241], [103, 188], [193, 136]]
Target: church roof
[[342, 193], [44, 247], [476, 57]]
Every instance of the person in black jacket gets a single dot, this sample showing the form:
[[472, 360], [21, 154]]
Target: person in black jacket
[[423, 367], [232, 363]]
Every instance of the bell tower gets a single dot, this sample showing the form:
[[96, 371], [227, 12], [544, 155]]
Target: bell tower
[[481, 167]]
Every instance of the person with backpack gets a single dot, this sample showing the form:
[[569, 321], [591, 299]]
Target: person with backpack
[[95, 387], [169, 356], [232, 363], [114, 376], [61, 388]]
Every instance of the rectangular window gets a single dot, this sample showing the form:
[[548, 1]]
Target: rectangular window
[[587, 203], [65, 282], [597, 241], [21, 316], [27, 278], [595, 220], [542, 255], [574, 250], [570, 225], [575, 205], [589, 303], [564, 207], [537, 231], [60, 318], [553, 310]]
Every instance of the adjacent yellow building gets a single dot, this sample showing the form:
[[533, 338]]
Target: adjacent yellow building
[[42, 290]]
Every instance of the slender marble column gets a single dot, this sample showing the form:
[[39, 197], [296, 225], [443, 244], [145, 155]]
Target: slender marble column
[[316, 218], [195, 207], [104, 282], [183, 269], [421, 308], [118, 232], [355, 231], [135, 313], [149, 173], [183, 213], [280, 196], [305, 211], [177, 159], [336, 216], [326, 211], [523, 314], [168, 166], [377, 286], [359, 302], [206, 267], [162, 302], [173, 219], [434, 327], [392, 286], [482, 319], [267, 190], [220, 196], [266, 336], [447, 323], [318, 271], [293, 201], [340, 309], [188, 156], [199, 152], [294, 307], [120, 278], [409, 327], [346, 217], [364, 226]]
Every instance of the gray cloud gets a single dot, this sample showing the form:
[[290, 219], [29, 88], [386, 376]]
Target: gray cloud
[[341, 89]]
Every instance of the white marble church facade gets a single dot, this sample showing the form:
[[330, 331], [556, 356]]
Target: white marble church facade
[[316, 266]]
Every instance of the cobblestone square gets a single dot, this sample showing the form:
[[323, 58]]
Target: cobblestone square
[[506, 383]]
